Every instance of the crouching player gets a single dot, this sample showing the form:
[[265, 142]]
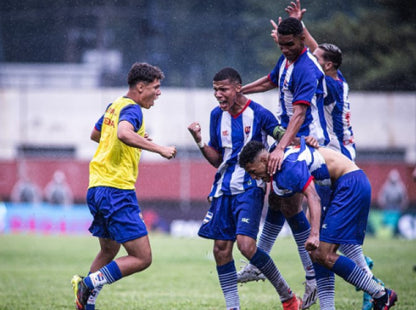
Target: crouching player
[[343, 222]]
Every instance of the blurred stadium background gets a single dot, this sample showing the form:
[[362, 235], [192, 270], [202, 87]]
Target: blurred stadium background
[[61, 64]]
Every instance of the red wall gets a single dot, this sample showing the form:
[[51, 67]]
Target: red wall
[[165, 180]]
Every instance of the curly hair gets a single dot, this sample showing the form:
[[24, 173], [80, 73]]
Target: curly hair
[[249, 153], [289, 26], [143, 72]]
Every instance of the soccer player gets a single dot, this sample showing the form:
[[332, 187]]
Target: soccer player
[[111, 196], [236, 198], [345, 219], [337, 116], [301, 82]]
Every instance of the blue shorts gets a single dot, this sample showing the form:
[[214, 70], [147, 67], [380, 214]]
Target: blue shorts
[[345, 219], [116, 214], [232, 215]]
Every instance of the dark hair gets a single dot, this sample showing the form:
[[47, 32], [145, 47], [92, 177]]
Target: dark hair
[[332, 53], [228, 74], [290, 25], [249, 152], [143, 72]]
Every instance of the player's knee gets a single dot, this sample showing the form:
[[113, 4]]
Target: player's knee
[[147, 262], [247, 247], [323, 258], [222, 254]]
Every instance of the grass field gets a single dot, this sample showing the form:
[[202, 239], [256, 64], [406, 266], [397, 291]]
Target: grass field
[[35, 273]]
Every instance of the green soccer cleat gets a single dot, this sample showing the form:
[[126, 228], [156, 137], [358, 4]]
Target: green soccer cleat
[[81, 292]]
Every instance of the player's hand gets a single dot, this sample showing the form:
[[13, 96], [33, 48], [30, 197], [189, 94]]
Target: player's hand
[[275, 160], [195, 130], [311, 141], [312, 243], [168, 152], [294, 10], [273, 34]]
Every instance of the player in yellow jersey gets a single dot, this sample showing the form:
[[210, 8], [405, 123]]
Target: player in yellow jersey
[[111, 196]]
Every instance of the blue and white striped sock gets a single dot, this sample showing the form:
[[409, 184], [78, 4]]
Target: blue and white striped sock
[[106, 275], [300, 228], [355, 252], [272, 226], [227, 274], [350, 272], [266, 265], [325, 281]]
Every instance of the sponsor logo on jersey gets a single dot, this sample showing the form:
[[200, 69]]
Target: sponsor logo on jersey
[[225, 133], [245, 220], [247, 129]]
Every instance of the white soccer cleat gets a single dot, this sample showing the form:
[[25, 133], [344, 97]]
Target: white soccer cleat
[[249, 273], [311, 294]]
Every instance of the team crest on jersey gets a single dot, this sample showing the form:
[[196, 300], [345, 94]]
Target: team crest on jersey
[[247, 129], [225, 133]]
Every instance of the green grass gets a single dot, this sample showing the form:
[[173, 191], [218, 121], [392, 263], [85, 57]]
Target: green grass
[[35, 273]]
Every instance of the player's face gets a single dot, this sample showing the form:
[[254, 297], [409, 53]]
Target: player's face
[[149, 93], [319, 54], [226, 93], [291, 46], [258, 170]]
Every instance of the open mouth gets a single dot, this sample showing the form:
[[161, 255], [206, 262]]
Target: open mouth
[[222, 103]]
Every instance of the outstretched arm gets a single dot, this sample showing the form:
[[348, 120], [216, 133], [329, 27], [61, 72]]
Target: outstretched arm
[[261, 85], [127, 135]]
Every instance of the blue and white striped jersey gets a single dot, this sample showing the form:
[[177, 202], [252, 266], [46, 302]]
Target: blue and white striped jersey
[[301, 165], [338, 116], [228, 135], [302, 82]]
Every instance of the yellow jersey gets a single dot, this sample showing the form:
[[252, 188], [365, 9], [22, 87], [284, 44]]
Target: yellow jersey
[[115, 164]]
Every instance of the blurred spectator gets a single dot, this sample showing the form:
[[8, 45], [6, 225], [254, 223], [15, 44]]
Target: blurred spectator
[[393, 199], [25, 191], [414, 174], [57, 191]]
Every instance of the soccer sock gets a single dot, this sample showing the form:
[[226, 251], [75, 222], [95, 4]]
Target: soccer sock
[[300, 228], [106, 275], [350, 272], [93, 297], [272, 226], [355, 252], [227, 275], [266, 265], [325, 281]]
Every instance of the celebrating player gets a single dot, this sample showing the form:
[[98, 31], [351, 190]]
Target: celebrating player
[[111, 196], [301, 83], [345, 219], [237, 199]]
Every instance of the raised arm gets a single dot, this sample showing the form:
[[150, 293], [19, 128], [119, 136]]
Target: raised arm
[[294, 10], [213, 157]]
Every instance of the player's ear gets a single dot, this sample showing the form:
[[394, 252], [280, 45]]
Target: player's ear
[[140, 86], [238, 87], [328, 65]]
